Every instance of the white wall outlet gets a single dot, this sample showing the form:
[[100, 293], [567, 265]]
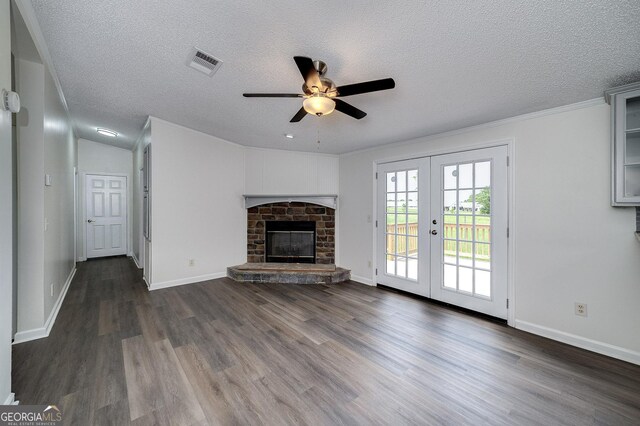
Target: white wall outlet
[[192, 262], [47, 180], [581, 309], [51, 286]]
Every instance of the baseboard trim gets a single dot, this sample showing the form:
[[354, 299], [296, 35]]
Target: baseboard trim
[[41, 332], [581, 342], [363, 280], [189, 280], [11, 400], [135, 260]]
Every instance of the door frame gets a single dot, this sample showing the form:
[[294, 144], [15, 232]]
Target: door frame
[[83, 210], [510, 143]]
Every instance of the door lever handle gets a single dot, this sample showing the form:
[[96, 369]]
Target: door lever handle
[[434, 232], [90, 220]]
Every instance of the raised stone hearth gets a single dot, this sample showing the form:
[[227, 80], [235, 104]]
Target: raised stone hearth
[[324, 218], [288, 273]]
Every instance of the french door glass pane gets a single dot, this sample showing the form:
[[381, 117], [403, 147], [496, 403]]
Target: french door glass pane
[[466, 216], [402, 223]]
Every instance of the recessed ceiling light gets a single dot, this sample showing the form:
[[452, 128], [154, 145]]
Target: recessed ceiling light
[[288, 135], [107, 132]]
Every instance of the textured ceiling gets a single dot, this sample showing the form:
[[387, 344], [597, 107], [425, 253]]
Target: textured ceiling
[[456, 63]]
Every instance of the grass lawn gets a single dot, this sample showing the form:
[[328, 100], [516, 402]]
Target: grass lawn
[[412, 214]]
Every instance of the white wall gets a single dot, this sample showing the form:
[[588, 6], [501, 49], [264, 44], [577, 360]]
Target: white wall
[[30, 129], [98, 158], [6, 225], [570, 244], [277, 172], [197, 182], [197, 188], [46, 228], [60, 158]]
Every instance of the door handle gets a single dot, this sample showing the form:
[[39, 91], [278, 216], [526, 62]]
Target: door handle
[[434, 232], [90, 220]]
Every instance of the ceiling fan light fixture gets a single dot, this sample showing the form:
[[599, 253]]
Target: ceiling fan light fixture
[[319, 105]]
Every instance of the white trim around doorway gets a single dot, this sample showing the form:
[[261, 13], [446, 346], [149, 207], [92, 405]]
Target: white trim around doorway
[[83, 211]]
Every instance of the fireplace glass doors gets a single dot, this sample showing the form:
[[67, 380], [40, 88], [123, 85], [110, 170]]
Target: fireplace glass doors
[[290, 241]]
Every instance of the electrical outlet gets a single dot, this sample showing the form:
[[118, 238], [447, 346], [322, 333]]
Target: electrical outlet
[[51, 286], [192, 262], [581, 309]]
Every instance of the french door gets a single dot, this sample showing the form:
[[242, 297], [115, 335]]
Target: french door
[[403, 211], [445, 236]]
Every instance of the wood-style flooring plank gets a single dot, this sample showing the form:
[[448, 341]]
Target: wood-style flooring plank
[[143, 385]]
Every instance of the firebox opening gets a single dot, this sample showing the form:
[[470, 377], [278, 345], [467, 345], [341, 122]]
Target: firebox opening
[[290, 241]]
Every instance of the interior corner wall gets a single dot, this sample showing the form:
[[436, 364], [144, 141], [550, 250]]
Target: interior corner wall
[[197, 208], [98, 158], [570, 244]]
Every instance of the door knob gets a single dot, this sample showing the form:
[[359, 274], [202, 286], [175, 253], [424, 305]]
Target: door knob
[[434, 232], [90, 220]]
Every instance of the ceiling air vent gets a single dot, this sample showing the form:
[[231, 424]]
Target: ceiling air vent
[[203, 62]]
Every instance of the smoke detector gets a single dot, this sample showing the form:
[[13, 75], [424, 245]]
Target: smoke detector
[[203, 62]]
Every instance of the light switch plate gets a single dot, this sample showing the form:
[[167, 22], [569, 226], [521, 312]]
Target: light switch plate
[[47, 180]]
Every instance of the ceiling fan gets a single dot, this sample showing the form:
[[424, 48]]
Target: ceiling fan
[[321, 94]]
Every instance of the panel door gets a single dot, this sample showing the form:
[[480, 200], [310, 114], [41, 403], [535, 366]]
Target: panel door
[[403, 217], [469, 230], [106, 232]]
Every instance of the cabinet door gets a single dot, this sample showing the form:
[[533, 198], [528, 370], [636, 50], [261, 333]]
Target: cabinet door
[[626, 152]]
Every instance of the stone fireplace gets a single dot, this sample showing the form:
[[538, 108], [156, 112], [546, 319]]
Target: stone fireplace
[[314, 215]]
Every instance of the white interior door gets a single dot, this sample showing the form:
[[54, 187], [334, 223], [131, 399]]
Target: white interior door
[[442, 228], [403, 217], [469, 248], [106, 232]]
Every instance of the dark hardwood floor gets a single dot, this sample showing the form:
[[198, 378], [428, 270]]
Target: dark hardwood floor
[[220, 352]]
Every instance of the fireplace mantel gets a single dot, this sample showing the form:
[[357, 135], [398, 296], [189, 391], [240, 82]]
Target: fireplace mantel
[[325, 200]]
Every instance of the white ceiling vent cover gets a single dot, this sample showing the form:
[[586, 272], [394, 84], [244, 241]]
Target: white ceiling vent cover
[[203, 62]]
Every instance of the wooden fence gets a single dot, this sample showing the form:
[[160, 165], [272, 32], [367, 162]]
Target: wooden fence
[[482, 235]]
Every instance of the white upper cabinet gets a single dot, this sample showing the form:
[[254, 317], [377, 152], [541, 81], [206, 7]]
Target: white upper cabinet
[[625, 123]]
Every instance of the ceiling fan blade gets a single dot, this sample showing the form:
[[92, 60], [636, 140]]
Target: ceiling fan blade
[[308, 71], [299, 116], [348, 109], [366, 87], [271, 95]]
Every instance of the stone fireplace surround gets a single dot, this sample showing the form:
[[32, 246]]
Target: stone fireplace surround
[[323, 216]]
